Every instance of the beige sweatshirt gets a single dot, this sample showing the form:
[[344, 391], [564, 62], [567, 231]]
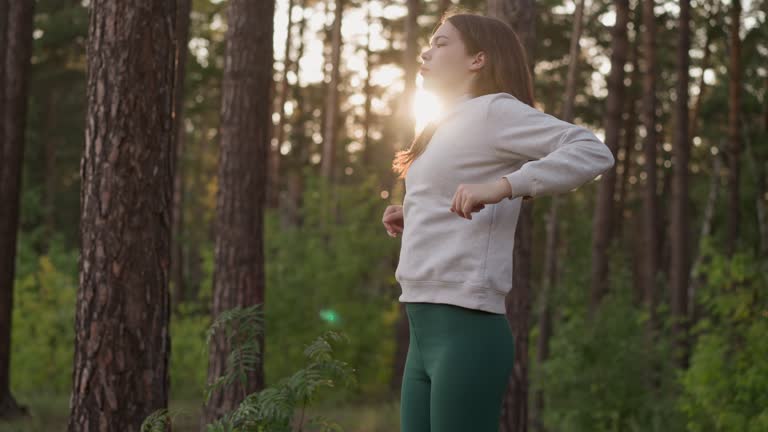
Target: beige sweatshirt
[[445, 258]]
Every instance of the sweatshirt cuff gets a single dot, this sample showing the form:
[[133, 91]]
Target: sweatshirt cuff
[[523, 185]]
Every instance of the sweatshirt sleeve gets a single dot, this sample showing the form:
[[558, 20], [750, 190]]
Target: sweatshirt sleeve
[[560, 155]]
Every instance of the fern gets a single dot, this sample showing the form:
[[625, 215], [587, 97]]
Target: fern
[[241, 325], [271, 409], [155, 422], [159, 420]]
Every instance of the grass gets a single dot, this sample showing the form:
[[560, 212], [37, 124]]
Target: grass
[[50, 413]]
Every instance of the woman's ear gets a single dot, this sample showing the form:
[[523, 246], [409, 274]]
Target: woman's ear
[[478, 62]]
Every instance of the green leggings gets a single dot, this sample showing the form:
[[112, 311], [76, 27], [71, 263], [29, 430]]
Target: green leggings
[[456, 370]]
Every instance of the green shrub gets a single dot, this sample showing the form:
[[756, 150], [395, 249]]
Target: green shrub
[[42, 335], [726, 385]]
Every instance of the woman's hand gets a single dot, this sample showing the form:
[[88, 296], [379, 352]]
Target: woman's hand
[[393, 220], [471, 198]]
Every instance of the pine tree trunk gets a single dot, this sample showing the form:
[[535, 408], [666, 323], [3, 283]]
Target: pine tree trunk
[[662, 234], [122, 344], [713, 15], [678, 275], [16, 25], [550, 278], [650, 216], [8, 232], [295, 180], [734, 128], [602, 223], [405, 128], [630, 135], [273, 183], [239, 277], [177, 252], [367, 90], [410, 65], [328, 164], [520, 15]]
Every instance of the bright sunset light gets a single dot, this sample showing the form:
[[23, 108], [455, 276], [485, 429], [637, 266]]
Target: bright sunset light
[[425, 107]]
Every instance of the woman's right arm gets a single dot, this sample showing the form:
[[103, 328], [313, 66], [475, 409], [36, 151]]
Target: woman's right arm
[[558, 156]]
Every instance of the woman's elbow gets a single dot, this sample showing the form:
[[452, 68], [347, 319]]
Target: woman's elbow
[[607, 160]]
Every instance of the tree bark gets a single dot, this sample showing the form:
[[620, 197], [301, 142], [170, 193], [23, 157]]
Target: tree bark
[[602, 223], [273, 184], [410, 64], [328, 163], [405, 129], [295, 177], [663, 234], [8, 231], [177, 252], [122, 342], [734, 129], [367, 90], [550, 277], [757, 167], [762, 185], [630, 136], [678, 274], [16, 25], [650, 264], [694, 311], [714, 15], [239, 278], [520, 15]]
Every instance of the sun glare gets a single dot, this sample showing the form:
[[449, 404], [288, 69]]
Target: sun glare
[[425, 107]]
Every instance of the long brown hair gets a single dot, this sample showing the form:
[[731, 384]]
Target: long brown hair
[[506, 70]]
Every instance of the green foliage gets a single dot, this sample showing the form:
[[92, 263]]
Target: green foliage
[[725, 385], [598, 372], [314, 272], [188, 352], [340, 269], [271, 409], [597, 376], [45, 293], [43, 316]]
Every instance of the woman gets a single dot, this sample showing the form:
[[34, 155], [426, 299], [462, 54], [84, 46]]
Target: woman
[[458, 230]]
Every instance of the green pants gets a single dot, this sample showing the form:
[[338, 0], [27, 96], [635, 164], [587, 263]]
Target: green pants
[[456, 371]]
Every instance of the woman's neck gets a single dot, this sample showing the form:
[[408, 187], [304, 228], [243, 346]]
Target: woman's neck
[[449, 102]]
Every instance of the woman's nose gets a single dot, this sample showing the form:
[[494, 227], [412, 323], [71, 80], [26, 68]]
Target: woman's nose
[[424, 55]]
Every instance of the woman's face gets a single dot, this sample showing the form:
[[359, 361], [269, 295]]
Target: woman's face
[[447, 69]]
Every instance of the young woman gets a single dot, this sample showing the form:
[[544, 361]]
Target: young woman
[[467, 173]]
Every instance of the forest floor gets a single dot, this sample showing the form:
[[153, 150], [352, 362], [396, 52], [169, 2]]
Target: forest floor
[[49, 414]]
